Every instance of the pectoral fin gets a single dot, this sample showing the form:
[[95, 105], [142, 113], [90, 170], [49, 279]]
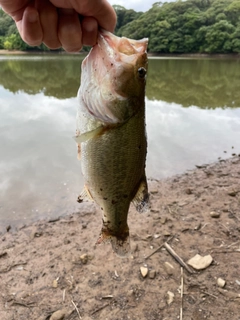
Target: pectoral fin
[[88, 135], [85, 195], [141, 198]]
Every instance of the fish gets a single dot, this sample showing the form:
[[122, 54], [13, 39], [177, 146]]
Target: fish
[[111, 133]]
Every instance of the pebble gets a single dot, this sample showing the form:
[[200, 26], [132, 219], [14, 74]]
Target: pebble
[[84, 258], [162, 305], [144, 271], [232, 193], [167, 233], [238, 282], [163, 220], [153, 190], [214, 214], [198, 262], [130, 293], [59, 314], [170, 297], [152, 274], [220, 282], [168, 268], [55, 283]]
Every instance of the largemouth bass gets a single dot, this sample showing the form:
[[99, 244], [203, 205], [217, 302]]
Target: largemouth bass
[[111, 133]]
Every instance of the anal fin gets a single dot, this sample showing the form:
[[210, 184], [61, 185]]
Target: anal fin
[[141, 198]]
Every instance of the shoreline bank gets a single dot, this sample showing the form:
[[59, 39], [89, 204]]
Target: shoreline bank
[[47, 265]]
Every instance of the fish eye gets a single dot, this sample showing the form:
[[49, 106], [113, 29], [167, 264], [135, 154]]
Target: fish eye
[[142, 72]]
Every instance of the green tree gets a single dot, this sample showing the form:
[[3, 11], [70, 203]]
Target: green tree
[[5, 23]]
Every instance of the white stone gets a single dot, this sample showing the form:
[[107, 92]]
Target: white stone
[[198, 262], [220, 282], [170, 297], [144, 271]]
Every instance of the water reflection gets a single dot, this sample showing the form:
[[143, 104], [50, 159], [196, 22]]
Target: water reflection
[[206, 83], [40, 174], [179, 138], [56, 76], [39, 170]]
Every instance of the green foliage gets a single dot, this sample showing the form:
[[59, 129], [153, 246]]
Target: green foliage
[[10, 38], [1, 42], [192, 26], [5, 23], [124, 16]]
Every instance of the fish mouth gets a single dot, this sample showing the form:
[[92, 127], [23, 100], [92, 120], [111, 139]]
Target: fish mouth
[[114, 50], [121, 45]]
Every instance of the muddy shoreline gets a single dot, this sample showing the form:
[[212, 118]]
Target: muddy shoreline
[[53, 269]]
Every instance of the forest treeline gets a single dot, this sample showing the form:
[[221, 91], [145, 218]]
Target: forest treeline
[[192, 26]]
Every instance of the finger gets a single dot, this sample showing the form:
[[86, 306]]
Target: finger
[[49, 22], [89, 31], [103, 7], [14, 8], [69, 30], [101, 10], [30, 28]]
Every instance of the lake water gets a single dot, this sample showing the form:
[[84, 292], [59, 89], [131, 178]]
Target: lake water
[[193, 117]]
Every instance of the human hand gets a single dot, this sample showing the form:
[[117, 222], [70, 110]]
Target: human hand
[[56, 23]]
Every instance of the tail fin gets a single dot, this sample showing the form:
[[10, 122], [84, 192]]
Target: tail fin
[[120, 242]]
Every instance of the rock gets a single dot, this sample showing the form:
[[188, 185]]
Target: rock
[[84, 258], [237, 282], [220, 282], [3, 254], [189, 191], [134, 247], [152, 274], [168, 268], [170, 297], [144, 271], [214, 214], [163, 220], [55, 283], [198, 227], [156, 236], [66, 241], [162, 305], [233, 193], [167, 233], [130, 293], [59, 315], [198, 262]]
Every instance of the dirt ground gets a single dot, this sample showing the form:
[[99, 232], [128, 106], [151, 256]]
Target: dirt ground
[[53, 269]]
